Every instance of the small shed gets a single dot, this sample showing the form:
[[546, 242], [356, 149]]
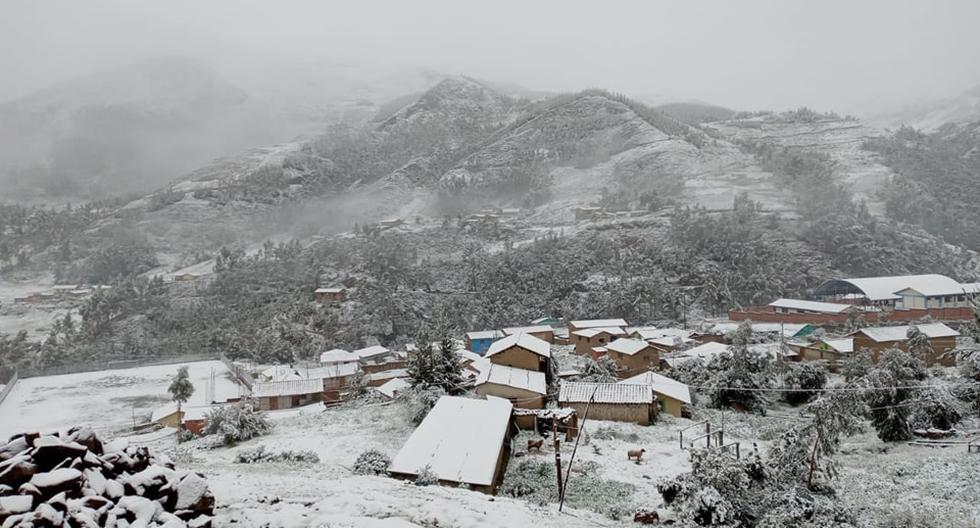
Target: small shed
[[332, 295], [617, 402], [276, 395], [671, 395], [522, 351], [462, 441], [193, 417], [523, 388], [831, 351], [480, 341]]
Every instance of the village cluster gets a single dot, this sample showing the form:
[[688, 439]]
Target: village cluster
[[513, 370]]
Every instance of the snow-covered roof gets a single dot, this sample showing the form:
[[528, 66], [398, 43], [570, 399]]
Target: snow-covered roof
[[337, 356], [650, 333], [281, 373], [467, 355], [885, 334], [705, 351], [591, 332], [485, 334], [811, 306], [330, 290], [670, 341], [971, 288], [543, 320], [388, 374], [287, 388], [393, 386], [460, 440], [595, 323], [788, 329], [843, 345], [525, 341], [336, 370], [627, 346], [537, 329], [529, 380], [371, 351], [661, 385], [884, 288], [582, 392]]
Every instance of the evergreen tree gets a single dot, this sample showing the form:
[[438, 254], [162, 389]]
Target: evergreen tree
[[420, 368], [181, 390], [448, 371]]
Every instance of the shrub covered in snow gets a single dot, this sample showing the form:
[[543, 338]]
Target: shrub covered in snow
[[601, 371], [890, 407], [857, 365], [420, 400], [236, 423], [807, 377], [258, 454], [372, 462], [426, 477], [737, 376]]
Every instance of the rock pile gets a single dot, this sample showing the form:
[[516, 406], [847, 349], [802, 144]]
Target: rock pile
[[70, 480]]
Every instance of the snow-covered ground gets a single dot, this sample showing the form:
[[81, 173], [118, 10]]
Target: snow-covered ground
[[329, 494], [106, 399], [36, 319]]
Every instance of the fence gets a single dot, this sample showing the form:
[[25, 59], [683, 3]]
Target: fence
[[240, 373], [117, 365], [9, 386]]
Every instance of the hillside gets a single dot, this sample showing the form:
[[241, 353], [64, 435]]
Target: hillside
[[931, 115]]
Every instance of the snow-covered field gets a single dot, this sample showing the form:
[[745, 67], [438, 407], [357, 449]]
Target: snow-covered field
[[106, 399]]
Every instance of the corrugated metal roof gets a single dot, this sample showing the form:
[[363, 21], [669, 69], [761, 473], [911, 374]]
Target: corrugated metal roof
[[460, 440], [582, 392], [287, 388], [525, 341], [518, 378]]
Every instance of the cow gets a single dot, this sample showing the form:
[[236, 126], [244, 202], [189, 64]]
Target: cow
[[635, 453]]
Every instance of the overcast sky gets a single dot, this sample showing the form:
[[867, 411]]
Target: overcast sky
[[745, 54]]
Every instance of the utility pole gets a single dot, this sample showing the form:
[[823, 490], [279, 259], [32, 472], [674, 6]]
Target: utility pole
[[557, 444], [581, 430]]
